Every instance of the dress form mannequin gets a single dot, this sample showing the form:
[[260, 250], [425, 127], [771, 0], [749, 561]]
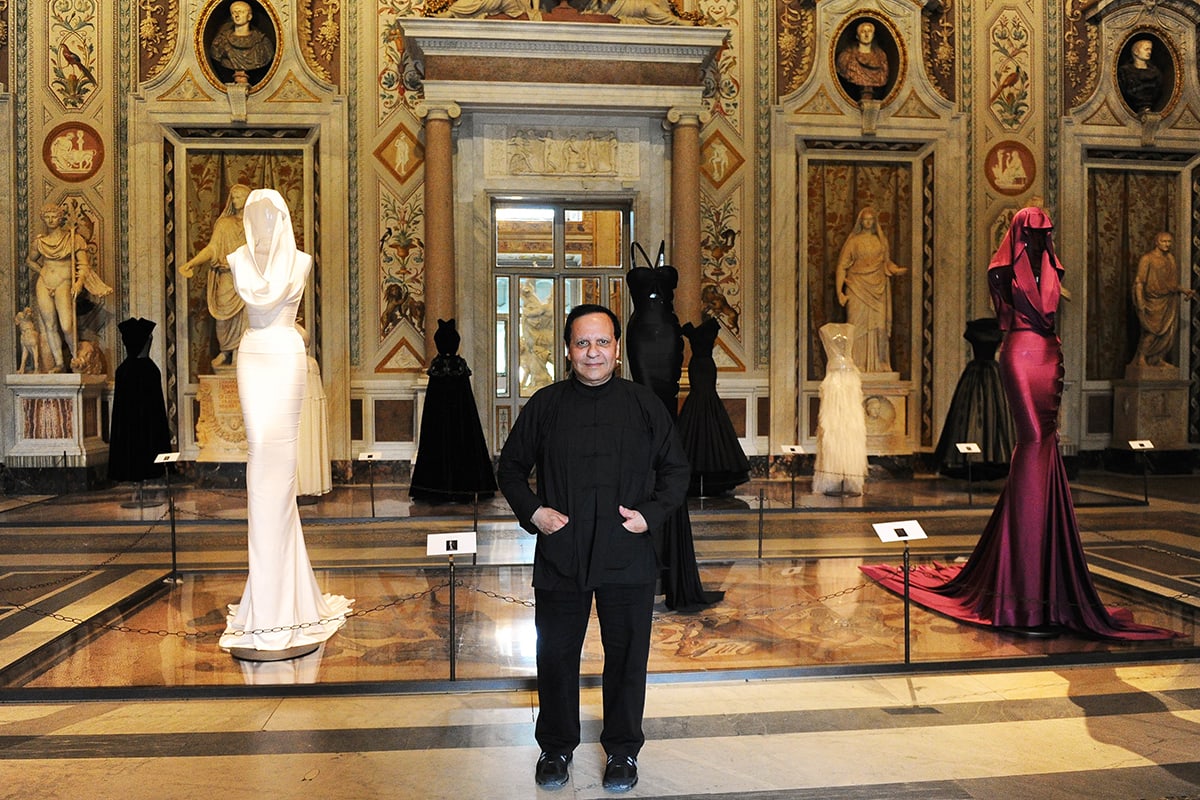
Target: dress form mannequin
[[718, 462], [1028, 572], [282, 612], [841, 465], [140, 430]]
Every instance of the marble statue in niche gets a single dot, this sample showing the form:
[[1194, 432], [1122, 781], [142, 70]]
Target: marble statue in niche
[[863, 286], [224, 303], [1156, 293], [61, 259]]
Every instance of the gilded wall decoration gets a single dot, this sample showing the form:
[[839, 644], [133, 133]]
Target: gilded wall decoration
[[1009, 84], [401, 154], [401, 262], [938, 36], [320, 33], [158, 24], [1010, 168], [796, 26], [722, 78], [73, 151], [5, 40], [1080, 54], [399, 82], [719, 159], [72, 54], [721, 266]]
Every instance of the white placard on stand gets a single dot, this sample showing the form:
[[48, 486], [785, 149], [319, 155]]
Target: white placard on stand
[[905, 531], [450, 544]]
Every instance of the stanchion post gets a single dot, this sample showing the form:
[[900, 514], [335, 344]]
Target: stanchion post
[[761, 493], [369, 457], [907, 600], [905, 532], [970, 484], [1143, 447], [791, 451], [449, 545], [453, 635], [167, 459], [966, 449]]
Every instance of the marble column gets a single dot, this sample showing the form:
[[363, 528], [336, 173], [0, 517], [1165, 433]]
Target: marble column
[[439, 218], [685, 209]]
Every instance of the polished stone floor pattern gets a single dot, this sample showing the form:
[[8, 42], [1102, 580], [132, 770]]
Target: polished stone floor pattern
[[795, 686]]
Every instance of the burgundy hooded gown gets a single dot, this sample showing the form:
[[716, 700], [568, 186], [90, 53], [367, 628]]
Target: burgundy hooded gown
[[1028, 568]]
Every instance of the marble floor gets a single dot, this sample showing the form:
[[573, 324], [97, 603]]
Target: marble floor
[[802, 683]]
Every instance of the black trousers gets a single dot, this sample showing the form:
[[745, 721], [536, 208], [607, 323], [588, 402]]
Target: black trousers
[[561, 617]]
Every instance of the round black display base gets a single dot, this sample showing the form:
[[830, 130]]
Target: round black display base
[[1037, 632], [251, 654], [142, 504]]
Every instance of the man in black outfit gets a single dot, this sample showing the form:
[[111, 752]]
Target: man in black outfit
[[610, 469]]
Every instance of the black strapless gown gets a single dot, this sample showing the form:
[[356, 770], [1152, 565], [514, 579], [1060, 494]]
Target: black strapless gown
[[711, 443]]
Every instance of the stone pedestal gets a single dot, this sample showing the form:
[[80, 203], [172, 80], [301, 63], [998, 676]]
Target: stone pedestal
[[220, 430], [1151, 403], [58, 425], [886, 401]]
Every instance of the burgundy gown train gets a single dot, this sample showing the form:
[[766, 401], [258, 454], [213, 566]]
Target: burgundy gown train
[[1028, 569]]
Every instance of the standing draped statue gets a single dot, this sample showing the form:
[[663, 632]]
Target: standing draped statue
[[863, 286], [224, 304], [1156, 293]]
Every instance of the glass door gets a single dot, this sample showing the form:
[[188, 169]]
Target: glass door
[[549, 258]]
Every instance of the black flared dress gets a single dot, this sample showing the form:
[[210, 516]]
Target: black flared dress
[[655, 351], [140, 430], [978, 411], [453, 463], [711, 443]]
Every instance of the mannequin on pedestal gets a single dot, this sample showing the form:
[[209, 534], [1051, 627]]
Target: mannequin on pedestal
[[979, 410], [140, 430], [453, 463], [711, 444], [281, 593], [841, 464]]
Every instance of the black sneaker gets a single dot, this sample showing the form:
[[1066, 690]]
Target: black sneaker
[[551, 771], [620, 775]]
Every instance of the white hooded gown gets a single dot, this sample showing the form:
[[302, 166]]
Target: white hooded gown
[[281, 590]]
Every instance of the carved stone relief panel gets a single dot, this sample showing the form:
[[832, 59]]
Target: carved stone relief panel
[[517, 150]]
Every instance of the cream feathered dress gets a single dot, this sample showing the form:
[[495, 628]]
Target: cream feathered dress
[[841, 465]]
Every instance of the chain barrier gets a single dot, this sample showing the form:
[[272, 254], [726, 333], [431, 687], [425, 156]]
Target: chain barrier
[[398, 601], [200, 635]]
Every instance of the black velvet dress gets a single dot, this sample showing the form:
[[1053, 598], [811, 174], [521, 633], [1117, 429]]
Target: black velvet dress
[[978, 411], [655, 351], [711, 443], [453, 463], [140, 430]]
